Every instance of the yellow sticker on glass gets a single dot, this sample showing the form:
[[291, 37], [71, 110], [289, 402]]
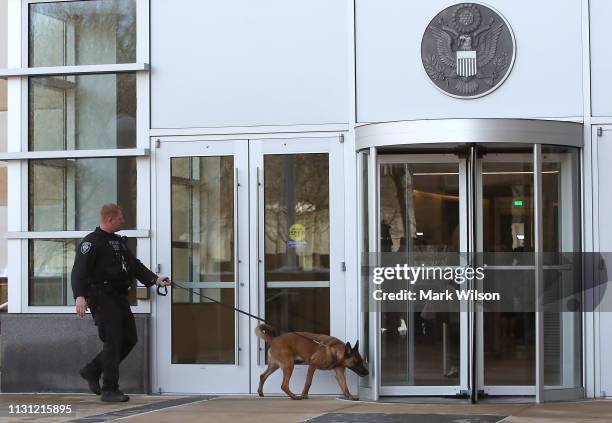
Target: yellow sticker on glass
[[297, 232]]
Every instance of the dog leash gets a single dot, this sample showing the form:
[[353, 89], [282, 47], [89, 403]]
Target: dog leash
[[165, 292]]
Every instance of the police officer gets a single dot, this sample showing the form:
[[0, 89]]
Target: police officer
[[101, 278]]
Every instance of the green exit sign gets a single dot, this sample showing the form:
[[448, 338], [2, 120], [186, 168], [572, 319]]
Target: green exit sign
[[518, 203]]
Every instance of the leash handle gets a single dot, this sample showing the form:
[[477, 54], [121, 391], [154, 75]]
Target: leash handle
[[165, 289], [160, 292]]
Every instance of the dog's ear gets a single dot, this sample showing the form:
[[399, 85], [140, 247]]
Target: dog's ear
[[347, 349], [356, 347]]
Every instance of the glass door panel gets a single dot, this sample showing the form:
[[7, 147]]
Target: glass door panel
[[507, 231], [297, 232], [296, 241], [562, 273], [202, 346], [202, 207], [421, 201]]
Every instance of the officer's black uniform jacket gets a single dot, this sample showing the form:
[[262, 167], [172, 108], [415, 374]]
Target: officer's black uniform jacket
[[104, 257]]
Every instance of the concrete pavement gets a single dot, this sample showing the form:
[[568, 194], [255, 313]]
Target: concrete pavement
[[239, 409]]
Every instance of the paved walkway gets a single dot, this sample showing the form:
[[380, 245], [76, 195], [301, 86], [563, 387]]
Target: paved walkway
[[186, 409]]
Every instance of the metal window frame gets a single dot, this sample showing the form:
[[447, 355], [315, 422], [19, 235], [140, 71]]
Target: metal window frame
[[75, 154], [130, 233], [17, 155], [73, 70]]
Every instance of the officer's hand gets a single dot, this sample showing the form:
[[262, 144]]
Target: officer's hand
[[81, 306], [163, 281]]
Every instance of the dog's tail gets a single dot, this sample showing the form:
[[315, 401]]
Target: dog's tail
[[265, 332]]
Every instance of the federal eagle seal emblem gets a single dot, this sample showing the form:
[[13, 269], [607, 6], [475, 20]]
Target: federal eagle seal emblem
[[468, 50]]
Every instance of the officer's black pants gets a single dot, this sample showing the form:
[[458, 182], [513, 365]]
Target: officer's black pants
[[117, 330]]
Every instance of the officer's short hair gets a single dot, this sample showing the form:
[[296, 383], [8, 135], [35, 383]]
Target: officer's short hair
[[109, 210]]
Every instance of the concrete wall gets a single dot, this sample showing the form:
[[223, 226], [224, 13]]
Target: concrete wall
[[44, 352]]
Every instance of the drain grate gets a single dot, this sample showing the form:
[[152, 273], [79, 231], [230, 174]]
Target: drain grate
[[126, 412]]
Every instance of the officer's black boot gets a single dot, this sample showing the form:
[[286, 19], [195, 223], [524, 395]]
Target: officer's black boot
[[92, 376], [114, 395]]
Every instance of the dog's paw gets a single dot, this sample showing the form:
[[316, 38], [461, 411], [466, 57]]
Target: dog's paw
[[296, 397], [352, 398], [260, 393]]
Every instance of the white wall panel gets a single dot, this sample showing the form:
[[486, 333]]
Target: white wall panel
[[392, 85], [601, 57], [246, 63], [604, 229]]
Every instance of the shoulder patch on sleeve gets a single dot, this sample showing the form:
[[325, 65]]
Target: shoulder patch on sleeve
[[85, 247]]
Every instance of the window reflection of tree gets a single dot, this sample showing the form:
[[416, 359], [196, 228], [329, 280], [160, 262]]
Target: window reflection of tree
[[408, 198], [297, 191], [77, 188], [65, 195], [203, 222]]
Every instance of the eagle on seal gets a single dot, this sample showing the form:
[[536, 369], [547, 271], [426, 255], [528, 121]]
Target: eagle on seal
[[462, 56]]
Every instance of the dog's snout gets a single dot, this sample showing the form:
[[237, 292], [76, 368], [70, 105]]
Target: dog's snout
[[361, 370]]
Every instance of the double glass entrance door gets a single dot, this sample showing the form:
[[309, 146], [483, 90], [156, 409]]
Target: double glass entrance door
[[251, 224], [443, 204]]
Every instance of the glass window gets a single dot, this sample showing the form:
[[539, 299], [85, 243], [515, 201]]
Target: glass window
[[415, 198], [50, 269], [563, 270], [508, 230], [82, 33], [419, 213], [77, 112], [203, 258], [296, 243], [80, 112], [560, 199], [507, 204], [66, 194]]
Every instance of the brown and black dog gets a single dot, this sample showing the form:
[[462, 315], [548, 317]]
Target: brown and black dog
[[318, 351]]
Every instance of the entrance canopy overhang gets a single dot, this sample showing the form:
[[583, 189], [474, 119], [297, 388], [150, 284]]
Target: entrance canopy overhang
[[445, 131]]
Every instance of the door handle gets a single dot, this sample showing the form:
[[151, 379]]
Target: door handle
[[236, 271], [257, 216]]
